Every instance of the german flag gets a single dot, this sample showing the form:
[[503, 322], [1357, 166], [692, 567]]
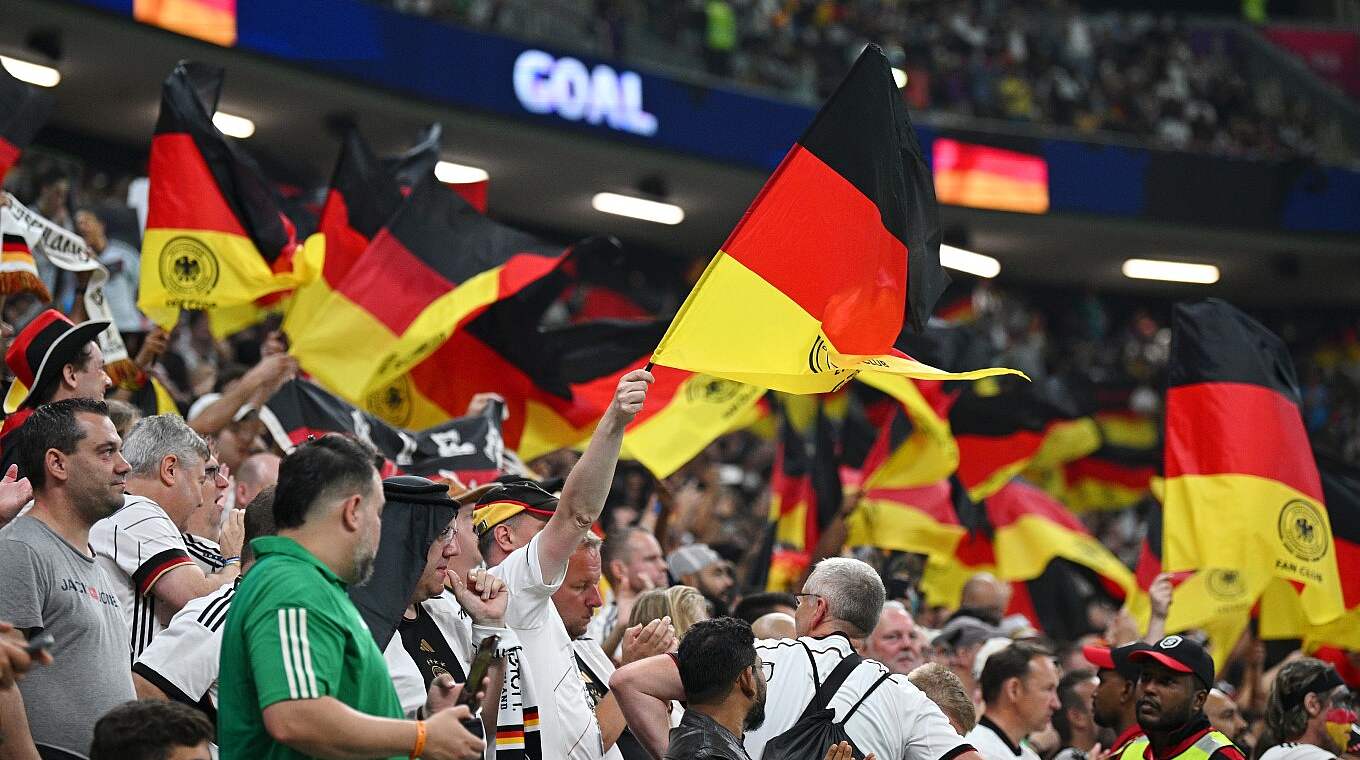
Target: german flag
[[1281, 615], [1015, 533], [23, 111], [920, 520], [363, 197], [805, 486], [915, 448], [1002, 425], [838, 249], [1242, 488], [18, 270], [437, 264], [216, 239]]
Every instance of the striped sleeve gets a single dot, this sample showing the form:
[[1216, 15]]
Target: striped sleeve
[[296, 652]]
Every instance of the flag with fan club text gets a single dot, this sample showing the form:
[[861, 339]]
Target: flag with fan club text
[[216, 238], [1242, 489], [836, 253]]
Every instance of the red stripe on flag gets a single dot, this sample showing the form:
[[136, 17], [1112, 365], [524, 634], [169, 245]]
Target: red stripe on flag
[[932, 500], [1238, 428], [344, 244], [184, 193], [817, 239], [393, 284], [1018, 499], [980, 455], [1105, 471], [9, 156]]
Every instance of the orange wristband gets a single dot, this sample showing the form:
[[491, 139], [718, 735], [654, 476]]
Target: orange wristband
[[420, 740]]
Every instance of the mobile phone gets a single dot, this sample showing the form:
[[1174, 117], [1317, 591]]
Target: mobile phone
[[41, 643], [481, 663]]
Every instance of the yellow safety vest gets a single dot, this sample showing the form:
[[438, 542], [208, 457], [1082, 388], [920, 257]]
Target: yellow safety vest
[[1134, 750], [1200, 750]]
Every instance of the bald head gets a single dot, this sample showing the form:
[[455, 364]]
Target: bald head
[[1225, 716], [258, 472], [984, 593], [775, 625]]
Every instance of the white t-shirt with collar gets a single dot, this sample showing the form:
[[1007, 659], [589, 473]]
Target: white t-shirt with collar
[[1295, 751], [567, 725], [990, 742], [896, 722], [456, 626]]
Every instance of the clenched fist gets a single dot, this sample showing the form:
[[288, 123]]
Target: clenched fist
[[631, 394]]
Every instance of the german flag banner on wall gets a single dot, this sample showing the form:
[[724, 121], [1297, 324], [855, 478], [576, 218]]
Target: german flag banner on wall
[[470, 448], [216, 238], [23, 111], [1242, 489], [840, 246], [438, 263], [362, 198]]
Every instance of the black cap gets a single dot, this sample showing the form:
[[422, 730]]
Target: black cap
[[1116, 658], [1181, 655], [414, 489]]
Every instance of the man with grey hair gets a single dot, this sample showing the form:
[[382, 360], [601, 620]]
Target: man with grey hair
[[882, 712], [141, 546]]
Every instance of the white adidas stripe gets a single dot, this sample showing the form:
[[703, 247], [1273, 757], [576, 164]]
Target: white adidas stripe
[[307, 654]]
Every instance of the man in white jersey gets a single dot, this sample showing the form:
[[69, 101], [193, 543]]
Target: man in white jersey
[[141, 546], [527, 536], [181, 664], [1310, 712], [839, 605]]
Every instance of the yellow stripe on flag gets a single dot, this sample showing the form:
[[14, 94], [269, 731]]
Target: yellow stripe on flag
[[1297, 545], [673, 436], [782, 345], [929, 454], [892, 526]]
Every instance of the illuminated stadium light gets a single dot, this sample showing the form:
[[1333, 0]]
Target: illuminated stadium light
[[233, 126], [459, 174], [967, 261], [33, 73], [1170, 271], [900, 77], [638, 208]]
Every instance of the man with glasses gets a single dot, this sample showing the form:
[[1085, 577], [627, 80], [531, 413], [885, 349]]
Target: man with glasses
[[141, 546], [1310, 712], [839, 606]]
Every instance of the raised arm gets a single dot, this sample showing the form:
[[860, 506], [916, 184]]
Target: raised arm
[[642, 689], [588, 484]]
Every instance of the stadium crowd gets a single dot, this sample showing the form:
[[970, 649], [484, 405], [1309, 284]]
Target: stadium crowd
[[1159, 78], [177, 584]]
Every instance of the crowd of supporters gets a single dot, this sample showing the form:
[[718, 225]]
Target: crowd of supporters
[[1048, 62]]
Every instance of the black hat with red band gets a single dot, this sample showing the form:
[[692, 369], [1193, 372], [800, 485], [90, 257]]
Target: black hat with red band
[[1181, 655], [43, 347]]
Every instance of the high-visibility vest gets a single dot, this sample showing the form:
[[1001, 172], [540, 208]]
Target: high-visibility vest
[[1200, 750], [1134, 749]]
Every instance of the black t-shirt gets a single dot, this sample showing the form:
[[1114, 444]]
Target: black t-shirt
[[425, 643]]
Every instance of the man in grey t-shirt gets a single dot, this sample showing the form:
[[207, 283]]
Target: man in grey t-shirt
[[52, 584]]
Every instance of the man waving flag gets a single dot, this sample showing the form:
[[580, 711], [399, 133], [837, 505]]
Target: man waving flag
[[1242, 488], [838, 248]]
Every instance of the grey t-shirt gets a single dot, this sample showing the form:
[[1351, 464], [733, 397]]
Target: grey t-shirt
[[50, 585]]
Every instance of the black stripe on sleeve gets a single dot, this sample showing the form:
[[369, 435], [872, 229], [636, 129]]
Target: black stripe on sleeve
[[203, 703], [955, 752]]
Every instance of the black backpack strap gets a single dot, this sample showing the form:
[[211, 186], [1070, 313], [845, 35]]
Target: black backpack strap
[[871, 689], [832, 684], [811, 661]]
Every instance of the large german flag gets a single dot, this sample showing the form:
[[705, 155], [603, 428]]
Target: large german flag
[[437, 264], [363, 196], [216, 238], [839, 247], [1242, 489], [23, 110], [920, 520]]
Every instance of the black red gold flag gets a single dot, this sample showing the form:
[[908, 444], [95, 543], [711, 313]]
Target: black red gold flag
[[216, 238], [805, 486], [23, 111], [1242, 487], [838, 251]]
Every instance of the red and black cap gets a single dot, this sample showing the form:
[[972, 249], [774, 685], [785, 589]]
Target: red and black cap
[[1116, 658], [1181, 655], [511, 497], [44, 346]]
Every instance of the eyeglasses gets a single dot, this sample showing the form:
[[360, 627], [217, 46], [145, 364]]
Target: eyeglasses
[[766, 668], [447, 534], [799, 597], [210, 474]]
